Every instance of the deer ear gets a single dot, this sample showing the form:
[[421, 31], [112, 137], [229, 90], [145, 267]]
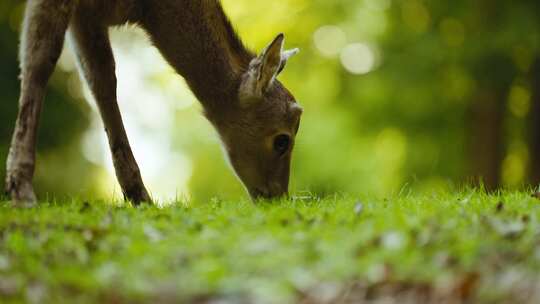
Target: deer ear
[[264, 69], [270, 59], [285, 57]]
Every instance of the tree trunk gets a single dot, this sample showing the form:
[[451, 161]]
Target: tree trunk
[[534, 125], [494, 74], [486, 144]]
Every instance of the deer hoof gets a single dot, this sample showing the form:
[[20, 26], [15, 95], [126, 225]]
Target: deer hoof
[[138, 195], [21, 193]]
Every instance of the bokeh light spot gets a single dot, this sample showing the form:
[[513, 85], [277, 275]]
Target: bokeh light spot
[[514, 166], [379, 5], [358, 58], [457, 83], [416, 16], [329, 40], [523, 57], [519, 101], [452, 32]]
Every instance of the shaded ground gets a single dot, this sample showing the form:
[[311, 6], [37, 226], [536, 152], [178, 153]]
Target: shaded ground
[[459, 248]]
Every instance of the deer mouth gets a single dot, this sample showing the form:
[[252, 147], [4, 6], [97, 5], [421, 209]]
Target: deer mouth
[[259, 193], [262, 193]]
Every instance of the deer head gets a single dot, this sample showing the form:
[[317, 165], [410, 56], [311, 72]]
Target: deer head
[[259, 131]]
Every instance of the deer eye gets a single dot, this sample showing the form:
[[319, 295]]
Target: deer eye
[[282, 143]]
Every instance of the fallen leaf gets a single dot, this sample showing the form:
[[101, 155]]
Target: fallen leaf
[[467, 285], [9, 286]]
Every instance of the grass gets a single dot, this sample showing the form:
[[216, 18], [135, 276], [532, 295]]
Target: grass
[[443, 248]]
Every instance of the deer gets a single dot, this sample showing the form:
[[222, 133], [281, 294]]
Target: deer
[[255, 116]]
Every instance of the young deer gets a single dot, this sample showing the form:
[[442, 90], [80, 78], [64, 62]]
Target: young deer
[[255, 115]]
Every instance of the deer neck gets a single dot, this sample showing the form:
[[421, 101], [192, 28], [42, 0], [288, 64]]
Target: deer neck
[[197, 39]]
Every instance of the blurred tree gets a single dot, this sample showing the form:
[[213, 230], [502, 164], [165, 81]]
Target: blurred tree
[[534, 124], [487, 146]]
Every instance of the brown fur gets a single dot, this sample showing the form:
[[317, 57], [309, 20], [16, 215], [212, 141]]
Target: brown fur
[[236, 88]]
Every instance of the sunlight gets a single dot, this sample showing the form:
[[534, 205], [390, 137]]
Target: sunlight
[[149, 93]]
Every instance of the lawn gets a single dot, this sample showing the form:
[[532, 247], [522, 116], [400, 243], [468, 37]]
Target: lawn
[[440, 248]]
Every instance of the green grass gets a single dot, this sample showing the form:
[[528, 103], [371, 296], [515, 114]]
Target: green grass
[[412, 249]]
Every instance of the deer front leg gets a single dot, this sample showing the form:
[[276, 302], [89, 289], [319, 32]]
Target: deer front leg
[[96, 63], [44, 28]]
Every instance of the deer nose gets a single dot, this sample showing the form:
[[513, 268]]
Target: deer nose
[[266, 192], [258, 193], [278, 190]]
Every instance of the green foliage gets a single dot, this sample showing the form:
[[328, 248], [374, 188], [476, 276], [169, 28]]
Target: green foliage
[[468, 245]]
